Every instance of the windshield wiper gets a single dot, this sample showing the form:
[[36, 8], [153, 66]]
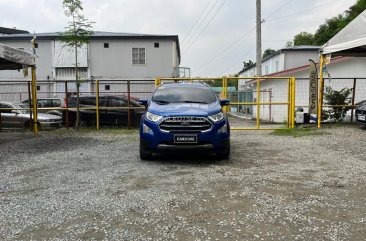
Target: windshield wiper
[[192, 101], [161, 102]]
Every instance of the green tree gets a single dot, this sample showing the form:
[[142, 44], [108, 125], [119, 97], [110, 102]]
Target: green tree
[[248, 64], [289, 44], [335, 99], [77, 34], [268, 52], [303, 38], [333, 25], [355, 10], [329, 29]]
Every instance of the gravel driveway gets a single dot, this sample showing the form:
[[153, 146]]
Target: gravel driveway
[[93, 186]]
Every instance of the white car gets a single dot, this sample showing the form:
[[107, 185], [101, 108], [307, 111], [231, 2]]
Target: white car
[[20, 118]]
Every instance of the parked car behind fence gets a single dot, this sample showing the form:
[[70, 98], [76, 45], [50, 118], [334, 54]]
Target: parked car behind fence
[[20, 117], [49, 103], [109, 112], [361, 113]]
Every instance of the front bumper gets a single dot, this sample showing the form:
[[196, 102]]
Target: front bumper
[[160, 140]]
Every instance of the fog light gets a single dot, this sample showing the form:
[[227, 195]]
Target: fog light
[[147, 130], [223, 129]]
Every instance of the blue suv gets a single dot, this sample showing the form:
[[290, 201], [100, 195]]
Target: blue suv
[[184, 116]]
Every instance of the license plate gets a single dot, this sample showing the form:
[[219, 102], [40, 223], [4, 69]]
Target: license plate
[[361, 117], [185, 138]]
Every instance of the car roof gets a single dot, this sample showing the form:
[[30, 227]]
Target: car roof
[[186, 84]]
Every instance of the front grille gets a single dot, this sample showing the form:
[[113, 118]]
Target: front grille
[[185, 124]]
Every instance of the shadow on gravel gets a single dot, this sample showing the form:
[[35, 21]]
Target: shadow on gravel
[[195, 158]]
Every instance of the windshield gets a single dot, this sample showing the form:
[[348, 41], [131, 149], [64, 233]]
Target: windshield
[[183, 94], [23, 106]]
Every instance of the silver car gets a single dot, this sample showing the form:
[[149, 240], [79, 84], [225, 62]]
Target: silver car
[[19, 118]]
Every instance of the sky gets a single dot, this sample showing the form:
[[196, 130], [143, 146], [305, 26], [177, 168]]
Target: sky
[[215, 36]]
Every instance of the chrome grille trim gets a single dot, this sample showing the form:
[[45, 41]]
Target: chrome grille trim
[[185, 123]]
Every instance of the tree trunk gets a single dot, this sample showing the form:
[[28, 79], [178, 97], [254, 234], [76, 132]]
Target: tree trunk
[[77, 90]]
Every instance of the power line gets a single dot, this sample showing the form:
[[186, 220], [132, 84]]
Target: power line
[[232, 45], [197, 21], [233, 66], [279, 9], [204, 28], [298, 12], [238, 41]]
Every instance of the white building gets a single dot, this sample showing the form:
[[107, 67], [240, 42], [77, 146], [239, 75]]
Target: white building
[[343, 71], [107, 57]]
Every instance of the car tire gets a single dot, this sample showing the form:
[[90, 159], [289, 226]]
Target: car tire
[[225, 154], [144, 153]]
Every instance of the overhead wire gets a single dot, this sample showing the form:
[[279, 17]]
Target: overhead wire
[[241, 38], [191, 31], [298, 12], [231, 46], [204, 28]]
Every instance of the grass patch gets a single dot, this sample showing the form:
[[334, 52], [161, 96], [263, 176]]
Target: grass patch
[[300, 132], [92, 130]]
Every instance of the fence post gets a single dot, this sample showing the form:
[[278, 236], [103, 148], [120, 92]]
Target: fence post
[[353, 99], [30, 105], [128, 104], [321, 90], [157, 82], [67, 106], [97, 102], [293, 101], [34, 98]]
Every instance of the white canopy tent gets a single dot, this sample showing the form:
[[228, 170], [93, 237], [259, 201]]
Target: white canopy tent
[[14, 59], [11, 58], [350, 41]]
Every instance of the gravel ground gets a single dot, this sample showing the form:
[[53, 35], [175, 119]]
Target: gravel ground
[[93, 186]]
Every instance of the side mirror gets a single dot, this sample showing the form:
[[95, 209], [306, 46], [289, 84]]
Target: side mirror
[[224, 102], [144, 102]]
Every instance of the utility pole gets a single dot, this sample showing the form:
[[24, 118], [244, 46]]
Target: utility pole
[[259, 39]]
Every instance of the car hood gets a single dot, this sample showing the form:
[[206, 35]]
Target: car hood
[[192, 109]]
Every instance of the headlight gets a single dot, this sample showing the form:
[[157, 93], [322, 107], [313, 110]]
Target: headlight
[[152, 117], [217, 117]]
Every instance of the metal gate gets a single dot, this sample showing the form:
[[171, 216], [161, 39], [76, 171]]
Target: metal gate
[[256, 103]]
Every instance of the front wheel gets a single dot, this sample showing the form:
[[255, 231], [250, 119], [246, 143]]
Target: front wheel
[[225, 154], [145, 154]]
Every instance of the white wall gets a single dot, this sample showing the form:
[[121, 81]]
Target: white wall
[[115, 62], [43, 60]]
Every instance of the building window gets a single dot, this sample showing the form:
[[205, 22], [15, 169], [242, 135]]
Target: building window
[[107, 87], [266, 69], [156, 45], [276, 65], [38, 87], [106, 45], [138, 56]]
